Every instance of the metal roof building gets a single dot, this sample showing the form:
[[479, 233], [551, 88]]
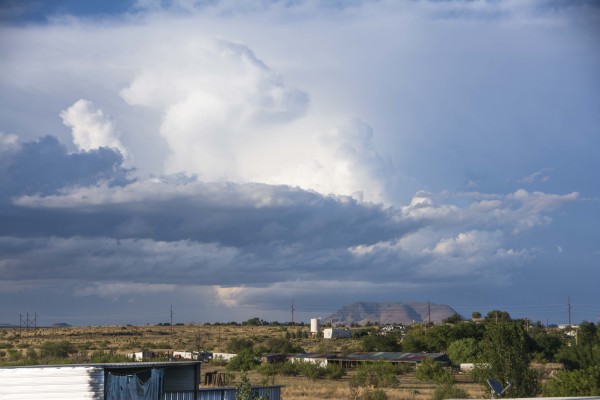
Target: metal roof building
[[92, 381], [354, 359]]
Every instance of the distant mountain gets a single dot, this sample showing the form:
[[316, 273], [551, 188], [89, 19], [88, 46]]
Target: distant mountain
[[390, 313]]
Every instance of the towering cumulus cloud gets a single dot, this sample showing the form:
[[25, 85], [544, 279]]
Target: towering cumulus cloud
[[91, 129], [228, 157], [217, 99]]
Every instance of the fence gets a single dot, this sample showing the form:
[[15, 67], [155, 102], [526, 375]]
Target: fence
[[271, 393]]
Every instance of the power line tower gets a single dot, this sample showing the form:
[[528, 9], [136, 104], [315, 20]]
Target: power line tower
[[27, 322], [292, 312]]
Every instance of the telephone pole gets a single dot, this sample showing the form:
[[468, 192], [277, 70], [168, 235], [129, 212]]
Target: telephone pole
[[569, 308], [428, 313], [171, 319], [292, 312]]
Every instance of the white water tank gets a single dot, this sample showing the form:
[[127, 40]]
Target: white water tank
[[315, 325]]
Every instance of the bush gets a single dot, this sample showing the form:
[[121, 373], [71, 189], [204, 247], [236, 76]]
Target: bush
[[245, 360], [334, 371], [245, 392], [237, 345], [367, 393], [14, 355], [311, 370], [287, 369], [376, 375], [377, 342], [431, 370], [463, 351], [60, 349], [280, 345], [584, 382], [449, 392], [32, 355]]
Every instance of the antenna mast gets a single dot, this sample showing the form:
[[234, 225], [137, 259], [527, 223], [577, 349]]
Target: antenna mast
[[292, 312]]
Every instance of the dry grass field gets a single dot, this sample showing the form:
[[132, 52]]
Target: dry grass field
[[120, 340]]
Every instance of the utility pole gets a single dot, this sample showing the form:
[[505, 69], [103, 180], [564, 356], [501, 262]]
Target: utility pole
[[292, 312], [428, 313], [171, 319], [569, 308]]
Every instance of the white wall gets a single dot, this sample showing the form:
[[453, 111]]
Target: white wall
[[331, 333], [64, 382]]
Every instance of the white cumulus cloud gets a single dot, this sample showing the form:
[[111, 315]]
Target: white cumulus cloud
[[91, 128]]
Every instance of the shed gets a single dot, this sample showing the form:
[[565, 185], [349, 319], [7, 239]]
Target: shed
[[94, 381], [331, 333]]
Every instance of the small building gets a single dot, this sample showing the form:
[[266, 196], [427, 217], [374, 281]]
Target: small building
[[223, 356], [274, 358], [312, 358], [98, 381], [141, 355], [186, 355], [355, 359], [331, 333]]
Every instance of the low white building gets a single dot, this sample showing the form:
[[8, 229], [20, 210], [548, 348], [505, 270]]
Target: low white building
[[317, 359], [331, 333], [223, 356], [141, 355], [186, 355]]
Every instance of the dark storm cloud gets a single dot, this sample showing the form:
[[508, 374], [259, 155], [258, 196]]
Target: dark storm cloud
[[45, 167], [229, 214]]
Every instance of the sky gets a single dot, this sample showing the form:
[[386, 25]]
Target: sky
[[230, 158]]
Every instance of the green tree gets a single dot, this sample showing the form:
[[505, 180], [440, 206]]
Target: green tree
[[311, 370], [583, 351], [475, 315], [498, 316], [60, 349], [453, 319], [449, 392], [245, 391], [378, 342], [255, 322], [415, 341], [464, 351], [584, 382], [245, 360], [546, 345], [280, 345], [505, 356], [431, 370], [376, 374], [236, 345]]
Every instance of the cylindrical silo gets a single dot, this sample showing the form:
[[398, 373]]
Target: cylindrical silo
[[315, 325]]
